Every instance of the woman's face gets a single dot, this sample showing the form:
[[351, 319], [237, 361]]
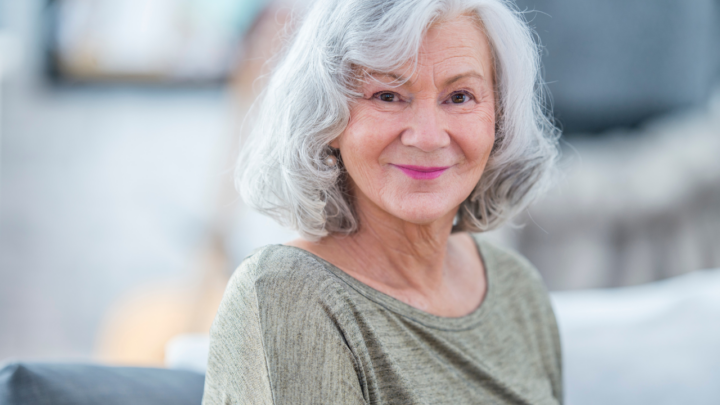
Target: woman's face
[[417, 151]]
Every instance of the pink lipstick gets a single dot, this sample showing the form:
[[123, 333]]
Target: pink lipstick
[[422, 172]]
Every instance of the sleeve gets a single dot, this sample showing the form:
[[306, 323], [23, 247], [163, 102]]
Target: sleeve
[[274, 342], [544, 325], [525, 291]]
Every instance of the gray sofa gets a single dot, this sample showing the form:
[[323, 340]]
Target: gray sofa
[[84, 384]]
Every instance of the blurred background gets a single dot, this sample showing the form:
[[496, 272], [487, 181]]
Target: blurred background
[[119, 225]]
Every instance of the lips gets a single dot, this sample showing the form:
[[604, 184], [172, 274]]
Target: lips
[[422, 172]]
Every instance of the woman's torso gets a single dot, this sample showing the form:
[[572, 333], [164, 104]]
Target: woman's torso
[[295, 329]]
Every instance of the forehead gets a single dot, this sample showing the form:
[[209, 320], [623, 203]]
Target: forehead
[[459, 40], [449, 47]]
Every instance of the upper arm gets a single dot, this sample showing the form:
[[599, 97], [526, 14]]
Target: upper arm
[[529, 298], [546, 330], [274, 341], [237, 372], [308, 359]]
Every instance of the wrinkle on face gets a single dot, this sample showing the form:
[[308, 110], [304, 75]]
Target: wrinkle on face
[[428, 57], [403, 245], [422, 127]]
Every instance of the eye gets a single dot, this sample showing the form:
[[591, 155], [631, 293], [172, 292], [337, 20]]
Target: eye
[[387, 97], [459, 98]]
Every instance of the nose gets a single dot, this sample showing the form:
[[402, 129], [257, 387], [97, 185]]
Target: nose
[[426, 131]]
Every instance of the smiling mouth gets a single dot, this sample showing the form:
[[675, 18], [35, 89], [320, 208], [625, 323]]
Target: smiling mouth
[[422, 172]]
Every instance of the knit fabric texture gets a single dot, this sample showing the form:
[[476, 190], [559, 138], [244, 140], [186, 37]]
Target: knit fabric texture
[[294, 329]]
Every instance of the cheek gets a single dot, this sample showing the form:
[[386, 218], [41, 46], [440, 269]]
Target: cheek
[[476, 136], [360, 146], [365, 138]]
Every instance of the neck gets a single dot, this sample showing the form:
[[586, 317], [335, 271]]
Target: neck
[[396, 253], [422, 265]]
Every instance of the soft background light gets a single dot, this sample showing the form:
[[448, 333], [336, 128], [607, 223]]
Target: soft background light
[[119, 226]]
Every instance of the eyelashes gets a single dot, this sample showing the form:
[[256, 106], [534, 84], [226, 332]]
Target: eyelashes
[[457, 97], [460, 97], [386, 96]]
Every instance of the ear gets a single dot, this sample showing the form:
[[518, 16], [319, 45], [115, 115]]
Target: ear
[[335, 144]]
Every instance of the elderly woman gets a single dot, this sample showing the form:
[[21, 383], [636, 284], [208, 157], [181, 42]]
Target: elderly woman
[[389, 131]]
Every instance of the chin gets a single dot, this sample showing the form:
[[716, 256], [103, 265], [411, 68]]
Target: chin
[[422, 209]]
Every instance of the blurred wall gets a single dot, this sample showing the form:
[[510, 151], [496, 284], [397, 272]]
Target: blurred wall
[[631, 206], [618, 63], [632, 85], [103, 189]]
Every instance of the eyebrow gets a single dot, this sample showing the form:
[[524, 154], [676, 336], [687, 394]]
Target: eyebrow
[[394, 76], [401, 79], [463, 76]]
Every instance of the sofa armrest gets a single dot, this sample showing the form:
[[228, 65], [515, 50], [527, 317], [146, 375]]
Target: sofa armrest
[[84, 384]]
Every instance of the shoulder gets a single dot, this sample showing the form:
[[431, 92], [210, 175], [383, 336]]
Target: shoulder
[[507, 262], [522, 301], [280, 303], [278, 269], [516, 283], [285, 282], [276, 294]]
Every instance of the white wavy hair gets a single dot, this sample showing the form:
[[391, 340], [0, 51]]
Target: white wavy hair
[[306, 105]]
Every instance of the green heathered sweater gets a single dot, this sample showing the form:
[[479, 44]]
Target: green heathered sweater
[[294, 329]]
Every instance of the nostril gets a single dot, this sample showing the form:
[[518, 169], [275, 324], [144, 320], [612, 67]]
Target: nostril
[[426, 131], [425, 139]]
